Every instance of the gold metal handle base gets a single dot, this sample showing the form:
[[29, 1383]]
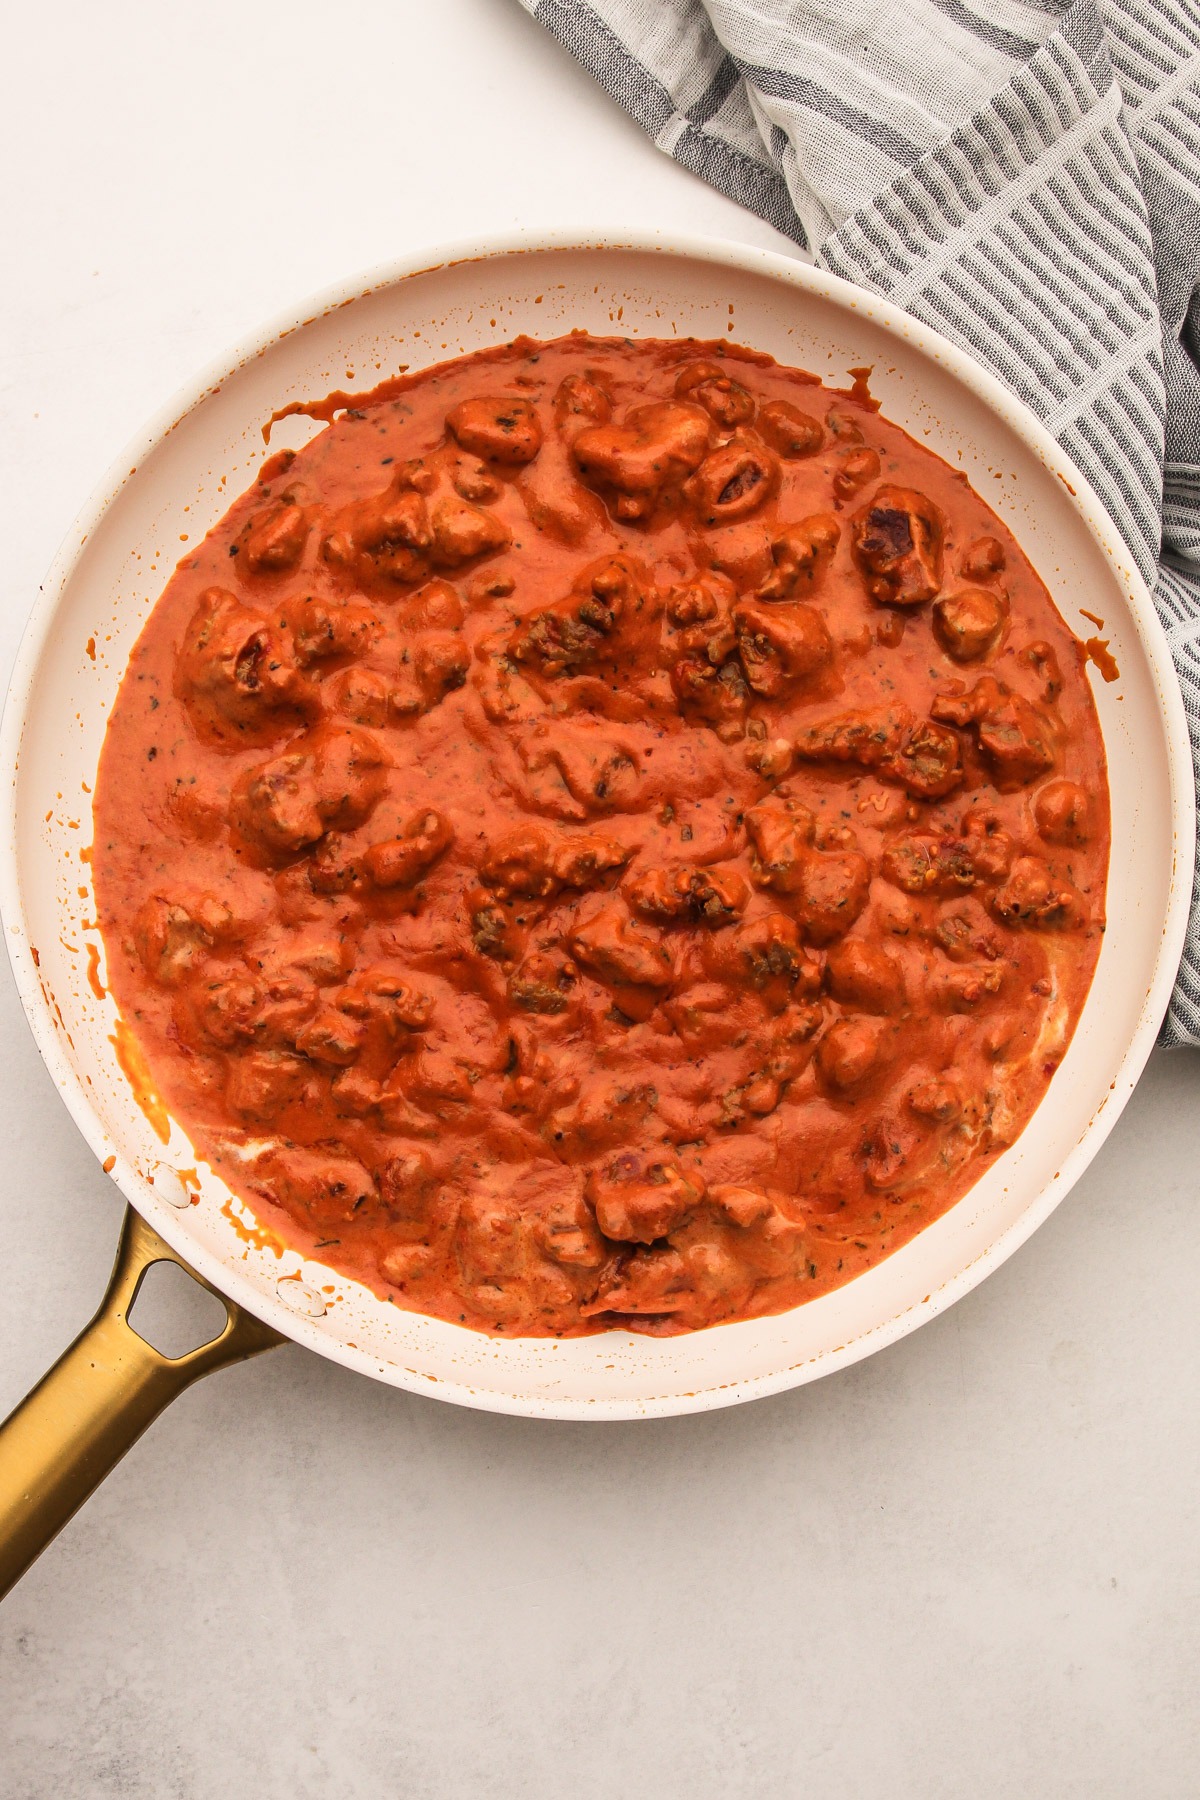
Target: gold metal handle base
[[86, 1412]]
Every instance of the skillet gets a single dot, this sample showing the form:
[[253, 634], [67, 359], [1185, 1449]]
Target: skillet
[[172, 485]]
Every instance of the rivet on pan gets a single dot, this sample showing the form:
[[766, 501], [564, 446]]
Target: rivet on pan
[[300, 1297], [170, 1186]]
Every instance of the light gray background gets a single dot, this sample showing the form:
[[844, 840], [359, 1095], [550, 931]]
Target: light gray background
[[964, 1568]]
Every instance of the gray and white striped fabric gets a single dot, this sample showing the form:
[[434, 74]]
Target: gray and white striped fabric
[[1024, 175]]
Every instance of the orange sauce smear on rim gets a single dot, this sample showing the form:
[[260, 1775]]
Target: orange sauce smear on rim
[[137, 1073]]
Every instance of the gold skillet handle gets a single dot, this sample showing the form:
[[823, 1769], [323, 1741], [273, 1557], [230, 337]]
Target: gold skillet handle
[[86, 1412]]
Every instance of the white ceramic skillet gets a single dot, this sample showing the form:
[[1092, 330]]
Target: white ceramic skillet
[[178, 479]]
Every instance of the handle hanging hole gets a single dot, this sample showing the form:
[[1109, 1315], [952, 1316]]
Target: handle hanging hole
[[174, 1314]]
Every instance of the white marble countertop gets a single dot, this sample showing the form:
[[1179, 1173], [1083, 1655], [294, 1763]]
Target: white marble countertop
[[965, 1568]]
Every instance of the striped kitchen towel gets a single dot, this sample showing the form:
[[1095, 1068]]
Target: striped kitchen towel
[[1024, 175]]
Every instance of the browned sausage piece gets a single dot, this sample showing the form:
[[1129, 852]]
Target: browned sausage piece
[[1033, 897], [799, 555], [647, 456], [789, 431], [326, 629], [618, 950], [781, 832], [401, 861], [856, 468], [897, 541], [573, 632], [832, 892], [1013, 735], [982, 559], [334, 776], [387, 536], [1062, 813], [710, 896], [928, 865], [851, 1051], [235, 671], [868, 735], [717, 697], [639, 1206], [968, 624], [531, 862], [275, 539], [498, 429], [965, 933], [580, 401], [711, 386], [460, 532], [865, 976], [543, 982], [928, 763], [768, 953], [733, 481]]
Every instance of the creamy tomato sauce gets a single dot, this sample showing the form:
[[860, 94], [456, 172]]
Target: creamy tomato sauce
[[610, 833]]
